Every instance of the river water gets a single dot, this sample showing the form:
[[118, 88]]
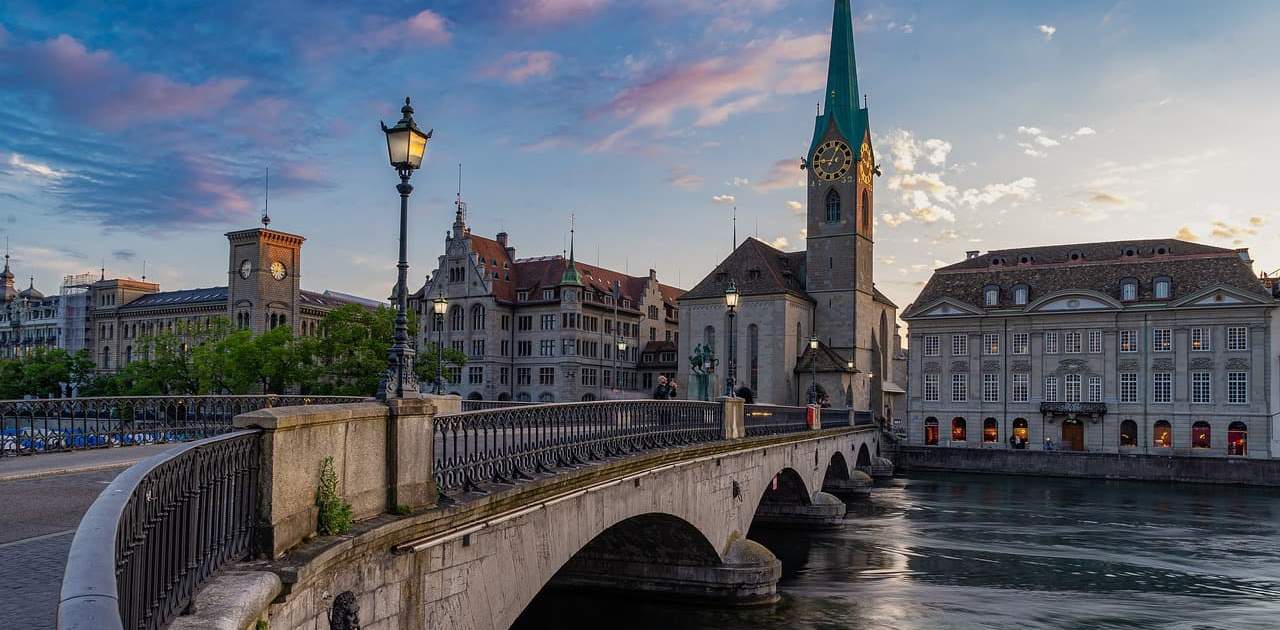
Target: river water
[[969, 551]]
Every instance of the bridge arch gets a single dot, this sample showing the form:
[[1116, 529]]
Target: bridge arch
[[837, 469], [864, 457]]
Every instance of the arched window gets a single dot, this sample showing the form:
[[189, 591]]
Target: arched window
[[106, 358], [1201, 435], [709, 338], [833, 206], [753, 349], [588, 397], [1020, 294], [1128, 433], [522, 397], [991, 296], [990, 431], [477, 317], [1020, 430], [1128, 290], [457, 318], [1238, 439], [866, 211], [1162, 435], [931, 431], [958, 432], [128, 355]]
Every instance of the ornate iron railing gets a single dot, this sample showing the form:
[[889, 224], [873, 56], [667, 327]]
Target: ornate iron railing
[[833, 418], [482, 405], [862, 419], [158, 531], [775, 420], [506, 445], [66, 424]]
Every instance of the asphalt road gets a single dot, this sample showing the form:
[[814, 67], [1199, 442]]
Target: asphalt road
[[38, 518]]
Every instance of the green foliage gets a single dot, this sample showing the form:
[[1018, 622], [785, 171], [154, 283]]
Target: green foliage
[[335, 514], [262, 624], [425, 367], [40, 373]]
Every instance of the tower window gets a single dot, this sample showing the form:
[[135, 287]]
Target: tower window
[[833, 206], [866, 211]]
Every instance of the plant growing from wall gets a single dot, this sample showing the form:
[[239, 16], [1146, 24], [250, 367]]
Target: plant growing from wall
[[335, 514]]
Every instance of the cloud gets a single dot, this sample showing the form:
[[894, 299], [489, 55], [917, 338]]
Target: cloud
[[1220, 229], [796, 207], [1030, 150], [1083, 131], [1048, 31], [724, 200], [551, 12], [682, 177], [1030, 131], [780, 243], [1185, 234], [1107, 198], [738, 182], [946, 235], [95, 87], [1084, 213], [1019, 190], [124, 255], [518, 67], [906, 151], [1046, 141], [23, 166], [784, 174], [930, 183]]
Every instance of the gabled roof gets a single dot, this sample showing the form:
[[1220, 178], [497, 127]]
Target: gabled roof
[[756, 268], [828, 360], [179, 298]]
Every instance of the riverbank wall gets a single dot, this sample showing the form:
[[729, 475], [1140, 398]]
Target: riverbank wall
[[1119, 466]]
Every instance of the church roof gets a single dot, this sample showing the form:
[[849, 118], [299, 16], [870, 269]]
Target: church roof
[[334, 299], [1099, 267], [841, 107], [756, 268], [31, 293]]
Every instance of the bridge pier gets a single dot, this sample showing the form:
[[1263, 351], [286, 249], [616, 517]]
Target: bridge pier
[[856, 488], [824, 511]]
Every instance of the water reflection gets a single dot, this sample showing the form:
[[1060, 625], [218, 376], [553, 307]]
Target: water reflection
[[988, 552]]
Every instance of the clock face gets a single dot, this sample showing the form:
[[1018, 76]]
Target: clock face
[[866, 168], [277, 270], [246, 268], [832, 160]]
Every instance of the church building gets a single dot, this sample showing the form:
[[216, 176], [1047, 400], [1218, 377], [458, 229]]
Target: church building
[[825, 293]]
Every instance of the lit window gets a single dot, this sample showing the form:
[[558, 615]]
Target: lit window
[[1162, 435], [1201, 340], [931, 431], [991, 343], [1128, 341], [1238, 439], [990, 431], [1162, 340], [1128, 433], [958, 432], [1201, 435]]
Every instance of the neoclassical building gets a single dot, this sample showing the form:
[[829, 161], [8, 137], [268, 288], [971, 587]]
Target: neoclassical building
[[826, 291], [1150, 346], [544, 328], [29, 320]]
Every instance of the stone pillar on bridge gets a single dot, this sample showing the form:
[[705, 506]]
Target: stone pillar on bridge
[[735, 427]]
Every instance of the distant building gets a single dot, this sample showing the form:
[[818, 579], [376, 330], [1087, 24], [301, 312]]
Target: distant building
[[1155, 346], [544, 329], [30, 321]]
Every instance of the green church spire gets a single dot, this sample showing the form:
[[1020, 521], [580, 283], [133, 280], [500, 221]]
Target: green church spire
[[570, 275], [842, 95]]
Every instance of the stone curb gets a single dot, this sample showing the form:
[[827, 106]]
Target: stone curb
[[67, 470]]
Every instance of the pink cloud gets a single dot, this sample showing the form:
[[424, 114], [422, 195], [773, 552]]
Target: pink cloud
[[96, 87], [547, 12], [518, 67], [427, 27]]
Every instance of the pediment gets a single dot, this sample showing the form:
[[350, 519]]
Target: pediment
[[1068, 301], [1219, 296], [947, 307]]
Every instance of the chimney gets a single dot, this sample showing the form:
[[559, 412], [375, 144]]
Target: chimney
[[653, 275], [502, 239], [1243, 253], [971, 254]]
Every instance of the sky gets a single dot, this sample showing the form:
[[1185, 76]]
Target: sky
[[141, 131]]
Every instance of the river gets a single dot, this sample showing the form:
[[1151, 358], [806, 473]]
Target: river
[[970, 551]]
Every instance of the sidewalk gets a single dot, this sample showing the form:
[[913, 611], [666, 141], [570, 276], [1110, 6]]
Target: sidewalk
[[46, 464]]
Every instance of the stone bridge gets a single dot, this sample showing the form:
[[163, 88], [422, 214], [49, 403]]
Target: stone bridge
[[669, 518]]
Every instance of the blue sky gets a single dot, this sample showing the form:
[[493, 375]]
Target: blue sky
[[141, 131]]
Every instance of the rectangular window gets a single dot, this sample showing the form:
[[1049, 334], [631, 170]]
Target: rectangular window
[[504, 376], [568, 347], [1162, 340], [1095, 389], [1021, 343], [477, 348], [931, 348], [1201, 387], [548, 322], [1071, 385], [457, 345], [990, 388], [547, 348], [959, 345], [959, 388], [1129, 387], [588, 377], [523, 376], [1021, 388], [1095, 342], [1237, 338], [1051, 389], [1201, 340], [1162, 387], [547, 376], [522, 296], [1237, 388], [505, 322], [991, 343], [548, 294], [1128, 341], [475, 375], [525, 322], [524, 348], [1051, 343], [1072, 342], [505, 348], [931, 388], [608, 378]]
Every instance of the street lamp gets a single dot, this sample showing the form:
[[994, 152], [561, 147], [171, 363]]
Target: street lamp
[[617, 359], [731, 298], [406, 144], [439, 306], [813, 363]]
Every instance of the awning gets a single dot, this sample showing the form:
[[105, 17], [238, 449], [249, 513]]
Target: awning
[[890, 387]]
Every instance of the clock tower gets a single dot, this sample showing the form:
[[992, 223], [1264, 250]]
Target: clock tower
[[264, 279], [840, 170]]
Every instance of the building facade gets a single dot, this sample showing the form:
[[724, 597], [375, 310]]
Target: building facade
[[826, 291], [1157, 347], [30, 321], [543, 329]]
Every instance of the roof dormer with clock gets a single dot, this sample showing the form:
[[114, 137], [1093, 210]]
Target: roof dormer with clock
[[264, 279], [840, 169]]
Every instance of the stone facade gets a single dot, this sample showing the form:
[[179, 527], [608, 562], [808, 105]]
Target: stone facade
[[1149, 347], [542, 329], [29, 320]]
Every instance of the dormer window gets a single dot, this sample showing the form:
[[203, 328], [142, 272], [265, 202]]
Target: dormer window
[[995, 262], [991, 296], [1162, 250], [1162, 288], [548, 294], [1128, 290], [1020, 294], [522, 296]]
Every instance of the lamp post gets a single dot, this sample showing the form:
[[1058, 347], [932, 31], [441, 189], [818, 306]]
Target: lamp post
[[406, 144], [731, 297], [439, 306], [617, 359], [848, 400], [813, 364]]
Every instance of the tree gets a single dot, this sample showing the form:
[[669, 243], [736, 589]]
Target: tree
[[349, 356], [426, 362]]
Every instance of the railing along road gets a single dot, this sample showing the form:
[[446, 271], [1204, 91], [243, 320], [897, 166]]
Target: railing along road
[[775, 419], [66, 424]]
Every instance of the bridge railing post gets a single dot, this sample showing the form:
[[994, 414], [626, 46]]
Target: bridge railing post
[[815, 417], [735, 424]]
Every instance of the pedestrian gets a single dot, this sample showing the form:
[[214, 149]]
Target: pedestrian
[[748, 396], [662, 391], [1048, 444], [673, 390]]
